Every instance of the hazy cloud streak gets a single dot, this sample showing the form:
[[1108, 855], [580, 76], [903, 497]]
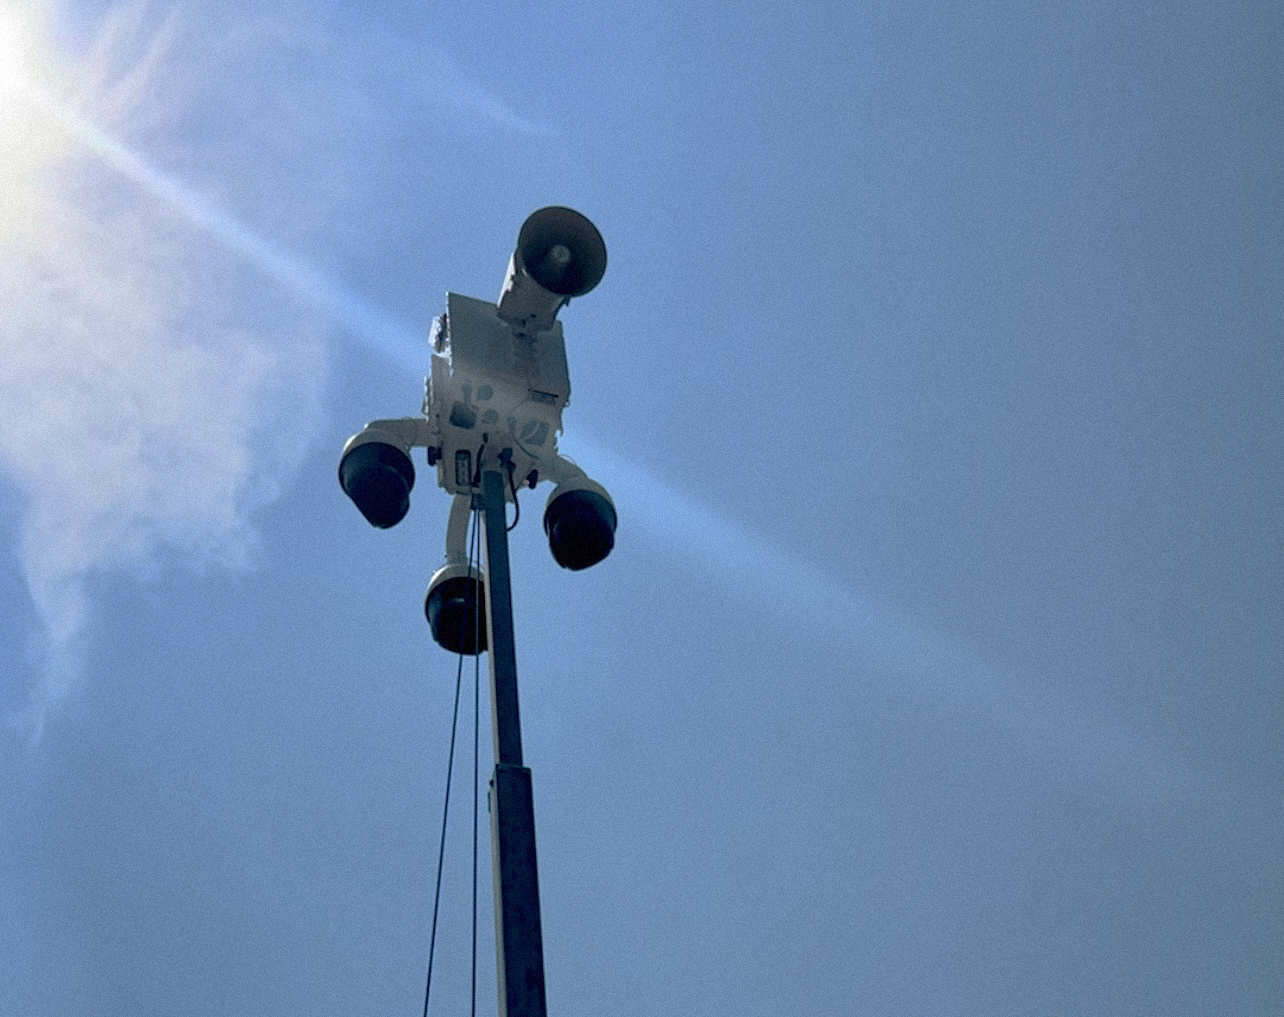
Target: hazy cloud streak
[[138, 412], [812, 606]]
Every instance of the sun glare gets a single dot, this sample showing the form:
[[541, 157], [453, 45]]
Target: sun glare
[[30, 140], [13, 55]]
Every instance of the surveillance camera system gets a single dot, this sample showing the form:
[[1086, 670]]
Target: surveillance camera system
[[491, 414], [494, 397]]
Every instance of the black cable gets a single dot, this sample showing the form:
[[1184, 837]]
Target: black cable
[[476, 733], [516, 504], [450, 767], [480, 452]]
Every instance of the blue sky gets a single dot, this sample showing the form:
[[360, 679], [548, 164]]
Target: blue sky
[[936, 375]]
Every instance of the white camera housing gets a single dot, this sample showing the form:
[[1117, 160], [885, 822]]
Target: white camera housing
[[495, 395], [493, 400]]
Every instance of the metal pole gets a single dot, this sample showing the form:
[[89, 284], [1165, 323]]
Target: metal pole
[[519, 945]]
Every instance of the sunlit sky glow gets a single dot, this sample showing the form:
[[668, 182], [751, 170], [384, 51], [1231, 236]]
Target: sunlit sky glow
[[28, 141]]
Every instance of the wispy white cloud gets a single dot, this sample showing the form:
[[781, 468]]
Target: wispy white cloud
[[150, 397], [463, 94], [142, 415]]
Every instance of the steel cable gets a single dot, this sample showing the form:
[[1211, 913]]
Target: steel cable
[[450, 767]]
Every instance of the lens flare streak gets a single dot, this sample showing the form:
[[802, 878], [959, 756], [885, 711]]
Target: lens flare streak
[[754, 568], [363, 321]]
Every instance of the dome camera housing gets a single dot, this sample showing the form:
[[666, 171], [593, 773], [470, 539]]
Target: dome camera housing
[[580, 522], [378, 476], [456, 610]]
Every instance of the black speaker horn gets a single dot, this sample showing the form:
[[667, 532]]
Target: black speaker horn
[[560, 255]]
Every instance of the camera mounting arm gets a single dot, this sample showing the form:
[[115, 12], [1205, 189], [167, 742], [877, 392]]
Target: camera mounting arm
[[461, 507], [403, 432]]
